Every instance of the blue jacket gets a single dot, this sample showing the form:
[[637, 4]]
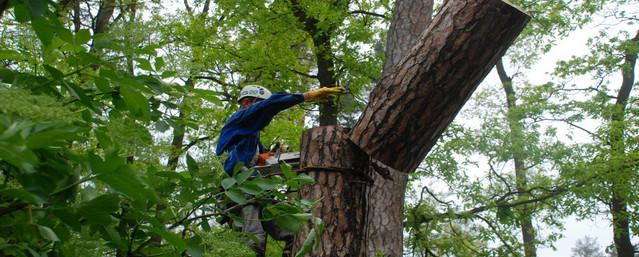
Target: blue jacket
[[240, 136]]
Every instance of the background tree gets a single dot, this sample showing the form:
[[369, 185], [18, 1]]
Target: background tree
[[587, 247]]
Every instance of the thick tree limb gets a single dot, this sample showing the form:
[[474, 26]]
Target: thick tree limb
[[384, 231], [411, 107]]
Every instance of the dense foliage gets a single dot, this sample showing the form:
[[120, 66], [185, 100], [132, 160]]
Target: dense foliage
[[109, 113]]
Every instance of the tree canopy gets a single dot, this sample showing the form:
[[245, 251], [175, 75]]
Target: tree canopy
[[110, 112]]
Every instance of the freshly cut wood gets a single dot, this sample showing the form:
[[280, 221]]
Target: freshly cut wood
[[327, 148], [410, 107], [340, 172]]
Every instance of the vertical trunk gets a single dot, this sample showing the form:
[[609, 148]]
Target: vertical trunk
[[340, 170], [517, 150], [3, 6], [324, 55], [386, 197], [177, 142], [77, 21], [104, 15], [326, 76], [620, 185], [438, 75]]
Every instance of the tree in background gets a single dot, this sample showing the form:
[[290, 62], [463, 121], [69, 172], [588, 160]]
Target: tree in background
[[526, 138], [587, 247]]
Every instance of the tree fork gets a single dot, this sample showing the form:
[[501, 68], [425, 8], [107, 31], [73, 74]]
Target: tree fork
[[340, 170], [410, 108], [386, 197]]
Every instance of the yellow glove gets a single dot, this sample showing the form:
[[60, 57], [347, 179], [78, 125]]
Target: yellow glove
[[323, 94]]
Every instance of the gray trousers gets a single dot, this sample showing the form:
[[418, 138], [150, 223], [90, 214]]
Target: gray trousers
[[255, 229]]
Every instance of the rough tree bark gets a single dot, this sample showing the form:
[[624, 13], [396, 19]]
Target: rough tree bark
[[384, 229], [338, 167], [410, 107], [518, 157], [104, 15], [620, 183]]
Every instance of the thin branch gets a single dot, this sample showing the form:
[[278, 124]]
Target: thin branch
[[592, 134], [494, 229], [188, 7], [501, 203], [368, 13], [192, 143], [93, 95], [304, 74], [88, 178], [464, 243], [425, 189]]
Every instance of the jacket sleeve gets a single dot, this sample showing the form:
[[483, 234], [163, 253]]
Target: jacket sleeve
[[260, 114]]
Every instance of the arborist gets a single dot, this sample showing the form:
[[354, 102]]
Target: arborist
[[240, 138]]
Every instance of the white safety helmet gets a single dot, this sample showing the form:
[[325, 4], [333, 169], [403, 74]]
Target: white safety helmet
[[254, 91]]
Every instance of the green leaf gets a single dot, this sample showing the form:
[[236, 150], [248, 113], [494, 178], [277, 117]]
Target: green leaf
[[10, 55], [124, 180], [168, 74], [235, 195], [51, 137], [263, 183], [38, 8], [243, 175], [287, 170], [47, 233], [136, 102], [113, 236], [162, 126], [194, 247], [171, 238], [98, 211], [22, 195], [292, 222], [43, 30], [82, 37], [69, 217], [228, 183], [103, 84], [159, 63], [66, 36], [208, 95], [191, 164], [144, 64], [251, 188], [22, 13], [55, 73], [308, 243]]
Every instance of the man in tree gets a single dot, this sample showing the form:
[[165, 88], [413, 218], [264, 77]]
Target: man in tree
[[240, 138]]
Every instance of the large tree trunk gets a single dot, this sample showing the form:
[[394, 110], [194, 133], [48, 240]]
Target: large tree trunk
[[384, 230], [621, 173], [406, 114], [411, 107], [518, 157], [340, 171]]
